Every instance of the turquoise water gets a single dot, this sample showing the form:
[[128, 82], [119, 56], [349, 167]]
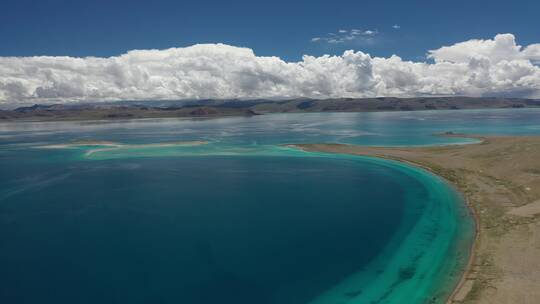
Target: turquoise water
[[233, 217]]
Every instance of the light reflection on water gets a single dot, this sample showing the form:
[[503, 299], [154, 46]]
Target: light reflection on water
[[380, 128]]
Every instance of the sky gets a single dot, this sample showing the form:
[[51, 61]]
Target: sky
[[271, 28], [287, 30]]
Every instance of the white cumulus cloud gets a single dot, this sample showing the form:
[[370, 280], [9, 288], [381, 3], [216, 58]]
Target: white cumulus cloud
[[489, 67]]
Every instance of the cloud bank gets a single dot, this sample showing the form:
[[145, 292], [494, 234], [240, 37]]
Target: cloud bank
[[474, 68]]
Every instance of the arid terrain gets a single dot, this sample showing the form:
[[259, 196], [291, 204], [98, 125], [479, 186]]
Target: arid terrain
[[500, 178]]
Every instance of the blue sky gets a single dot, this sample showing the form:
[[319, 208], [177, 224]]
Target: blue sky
[[162, 49], [279, 28]]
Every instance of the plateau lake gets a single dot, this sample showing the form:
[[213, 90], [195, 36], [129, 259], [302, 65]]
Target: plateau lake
[[223, 211]]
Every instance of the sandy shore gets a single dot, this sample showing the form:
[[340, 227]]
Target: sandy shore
[[500, 178]]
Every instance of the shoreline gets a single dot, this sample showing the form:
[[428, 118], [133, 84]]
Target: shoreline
[[472, 252], [476, 220], [474, 216], [489, 265]]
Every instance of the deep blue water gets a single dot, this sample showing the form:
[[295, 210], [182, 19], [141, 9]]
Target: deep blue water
[[164, 230]]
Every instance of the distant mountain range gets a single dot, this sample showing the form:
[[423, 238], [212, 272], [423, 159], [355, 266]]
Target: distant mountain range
[[221, 108]]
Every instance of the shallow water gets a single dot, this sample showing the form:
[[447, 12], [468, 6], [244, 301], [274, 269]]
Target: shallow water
[[237, 220]]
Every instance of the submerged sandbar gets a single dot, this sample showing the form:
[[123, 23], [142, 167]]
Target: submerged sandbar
[[102, 145]]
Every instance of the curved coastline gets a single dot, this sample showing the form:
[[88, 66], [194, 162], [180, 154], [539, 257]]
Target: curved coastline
[[448, 179], [450, 293], [474, 216], [472, 252], [499, 178]]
